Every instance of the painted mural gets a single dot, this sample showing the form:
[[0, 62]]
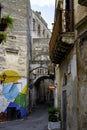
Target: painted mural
[[13, 90]]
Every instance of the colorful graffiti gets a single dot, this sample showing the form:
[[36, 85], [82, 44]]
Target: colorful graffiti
[[10, 91], [13, 92]]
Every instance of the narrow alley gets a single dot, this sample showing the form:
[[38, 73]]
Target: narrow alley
[[37, 120], [43, 64]]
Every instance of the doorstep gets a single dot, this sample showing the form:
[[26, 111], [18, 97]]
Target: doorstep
[[54, 125]]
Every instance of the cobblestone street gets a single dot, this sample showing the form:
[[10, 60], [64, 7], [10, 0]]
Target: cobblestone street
[[37, 120]]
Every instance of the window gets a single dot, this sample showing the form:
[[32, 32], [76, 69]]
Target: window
[[47, 35], [65, 79], [43, 32], [33, 24], [39, 28], [69, 15]]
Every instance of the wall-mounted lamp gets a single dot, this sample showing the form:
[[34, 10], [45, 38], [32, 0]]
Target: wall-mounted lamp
[[3, 78]]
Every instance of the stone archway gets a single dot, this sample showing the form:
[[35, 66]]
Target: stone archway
[[43, 94]]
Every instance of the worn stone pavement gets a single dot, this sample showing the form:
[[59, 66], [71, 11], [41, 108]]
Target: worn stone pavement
[[37, 120]]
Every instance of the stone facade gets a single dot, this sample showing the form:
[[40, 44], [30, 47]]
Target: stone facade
[[40, 56], [71, 73], [81, 42], [14, 56]]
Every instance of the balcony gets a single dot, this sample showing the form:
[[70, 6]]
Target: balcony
[[82, 2], [62, 36]]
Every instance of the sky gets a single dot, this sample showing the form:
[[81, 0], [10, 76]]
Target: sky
[[46, 7]]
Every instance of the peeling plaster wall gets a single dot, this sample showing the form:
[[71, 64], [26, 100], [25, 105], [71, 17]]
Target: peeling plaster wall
[[81, 24], [82, 85], [68, 67]]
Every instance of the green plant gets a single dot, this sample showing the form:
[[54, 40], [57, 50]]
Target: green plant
[[52, 118], [7, 20], [3, 36], [54, 114], [52, 110]]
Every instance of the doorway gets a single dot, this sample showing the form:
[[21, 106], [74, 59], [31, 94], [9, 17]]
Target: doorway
[[64, 109]]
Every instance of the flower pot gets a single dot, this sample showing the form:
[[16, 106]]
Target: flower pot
[[3, 27], [3, 24], [54, 125], [6, 22]]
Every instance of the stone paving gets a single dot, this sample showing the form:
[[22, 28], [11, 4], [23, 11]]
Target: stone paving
[[37, 120]]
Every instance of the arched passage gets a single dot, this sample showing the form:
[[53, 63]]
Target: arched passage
[[42, 91], [37, 81]]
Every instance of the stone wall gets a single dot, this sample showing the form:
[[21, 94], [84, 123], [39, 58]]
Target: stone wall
[[68, 85], [17, 37], [81, 42], [82, 85], [14, 57]]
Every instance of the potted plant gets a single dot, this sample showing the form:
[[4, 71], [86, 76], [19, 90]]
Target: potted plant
[[3, 37], [6, 22], [53, 118], [52, 114]]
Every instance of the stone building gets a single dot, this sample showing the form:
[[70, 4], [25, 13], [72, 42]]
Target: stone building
[[14, 58], [81, 48], [40, 57], [40, 37], [68, 53]]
